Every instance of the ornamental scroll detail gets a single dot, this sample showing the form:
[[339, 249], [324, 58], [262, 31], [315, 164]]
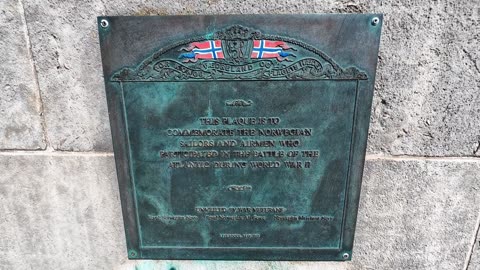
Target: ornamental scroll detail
[[238, 103], [238, 53]]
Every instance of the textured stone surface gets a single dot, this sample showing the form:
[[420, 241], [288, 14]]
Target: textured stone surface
[[66, 54], [417, 214], [20, 108], [59, 212], [475, 259], [427, 93], [63, 212]]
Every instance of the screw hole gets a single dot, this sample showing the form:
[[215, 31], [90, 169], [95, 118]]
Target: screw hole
[[104, 23], [346, 256], [375, 21]]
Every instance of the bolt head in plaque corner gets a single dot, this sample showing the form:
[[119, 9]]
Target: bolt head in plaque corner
[[133, 254], [218, 156], [346, 256]]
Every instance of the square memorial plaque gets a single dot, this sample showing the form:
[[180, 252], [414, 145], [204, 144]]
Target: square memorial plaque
[[240, 137]]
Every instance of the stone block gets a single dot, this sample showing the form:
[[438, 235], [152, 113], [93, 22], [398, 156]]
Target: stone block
[[63, 212], [417, 214], [66, 52], [20, 105], [427, 81], [59, 212]]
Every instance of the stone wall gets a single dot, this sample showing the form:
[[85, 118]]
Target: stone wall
[[59, 201]]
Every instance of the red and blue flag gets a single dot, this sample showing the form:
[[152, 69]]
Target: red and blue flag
[[210, 49], [263, 49]]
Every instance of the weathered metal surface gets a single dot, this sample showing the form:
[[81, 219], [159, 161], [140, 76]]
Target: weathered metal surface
[[242, 136]]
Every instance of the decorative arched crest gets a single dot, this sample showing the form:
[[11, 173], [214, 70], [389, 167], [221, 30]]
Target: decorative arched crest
[[238, 53]]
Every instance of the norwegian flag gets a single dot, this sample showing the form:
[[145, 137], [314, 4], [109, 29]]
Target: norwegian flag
[[210, 49], [271, 49]]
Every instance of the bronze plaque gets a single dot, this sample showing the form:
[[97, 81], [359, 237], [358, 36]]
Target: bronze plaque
[[240, 137]]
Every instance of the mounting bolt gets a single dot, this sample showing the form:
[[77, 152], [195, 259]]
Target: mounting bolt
[[375, 21], [133, 253], [346, 256], [103, 23]]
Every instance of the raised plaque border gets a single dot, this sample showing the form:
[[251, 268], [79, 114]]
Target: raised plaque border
[[146, 72]]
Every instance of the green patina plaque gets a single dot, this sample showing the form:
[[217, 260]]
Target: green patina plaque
[[240, 137]]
